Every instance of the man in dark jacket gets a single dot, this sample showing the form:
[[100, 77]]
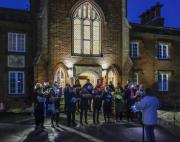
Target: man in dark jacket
[[107, 105], [97, 102], [71, 107], [89, 87], [84, 97]]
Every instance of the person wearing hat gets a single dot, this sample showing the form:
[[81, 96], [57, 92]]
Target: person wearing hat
[[149, 105]]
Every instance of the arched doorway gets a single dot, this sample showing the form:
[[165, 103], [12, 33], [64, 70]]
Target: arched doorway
[[60, 77], [112, 77], [92, 76]]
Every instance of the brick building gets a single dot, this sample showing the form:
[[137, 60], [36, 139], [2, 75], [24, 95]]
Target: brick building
[[69, 39], [16, 56]]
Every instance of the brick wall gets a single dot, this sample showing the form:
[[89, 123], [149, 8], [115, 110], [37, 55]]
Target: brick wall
[[60, 35]]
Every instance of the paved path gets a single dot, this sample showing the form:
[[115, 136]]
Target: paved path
[[23, 131]]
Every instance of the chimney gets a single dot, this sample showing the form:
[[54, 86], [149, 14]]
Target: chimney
[[153, 16]]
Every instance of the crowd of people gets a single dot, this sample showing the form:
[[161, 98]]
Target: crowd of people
[[109, 100], [85, 98]]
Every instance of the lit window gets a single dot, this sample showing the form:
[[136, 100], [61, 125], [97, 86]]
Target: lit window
[[163, 81], [16, 42], [134, 49], [163, 51], [87, 29], [16, 82], [60, 77]]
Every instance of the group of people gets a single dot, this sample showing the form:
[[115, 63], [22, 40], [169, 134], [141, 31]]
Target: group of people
[[46, 102], [80, 99], [85, 98]]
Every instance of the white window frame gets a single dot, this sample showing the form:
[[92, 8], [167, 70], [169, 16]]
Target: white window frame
[[10, 43], [161, 56], [16, 83], [132, 49], [161, 86]]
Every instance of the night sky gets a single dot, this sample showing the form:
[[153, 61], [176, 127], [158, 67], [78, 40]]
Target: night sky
[[170, 11]]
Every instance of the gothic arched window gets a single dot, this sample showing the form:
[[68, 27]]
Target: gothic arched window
[[60, 77], [86, 31]]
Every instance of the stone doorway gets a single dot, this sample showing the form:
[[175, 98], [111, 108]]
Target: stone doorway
[[88, 75], [88, 72]]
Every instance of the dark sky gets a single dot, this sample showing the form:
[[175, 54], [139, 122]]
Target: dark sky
[[170, 11]]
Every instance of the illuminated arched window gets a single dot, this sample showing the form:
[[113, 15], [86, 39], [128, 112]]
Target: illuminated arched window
[[86, 30], [60, 77]]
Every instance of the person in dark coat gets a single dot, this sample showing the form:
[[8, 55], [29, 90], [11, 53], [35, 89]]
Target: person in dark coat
[[55, 95], [39, 106], [77, 89], [97, 102], [71, 107], [111, 87], [107, 105], [66, 93], [84, 97], [119, 104], [89, 87], [129, 99]]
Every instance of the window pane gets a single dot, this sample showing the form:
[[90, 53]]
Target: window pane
[[77, 46], [96, 49], [93, 14], [20, 83], [77, 29], [164, 52], [86, 47], [12, 42], [96, 31], [21, 42], [87, 32], [80, 13], [86, 29], [159, 52], [160, 82], [84, 11], [12, 83]]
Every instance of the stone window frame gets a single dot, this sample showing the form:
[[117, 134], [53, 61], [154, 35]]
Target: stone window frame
[[16, 82], [103, 21], [15, 42]]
